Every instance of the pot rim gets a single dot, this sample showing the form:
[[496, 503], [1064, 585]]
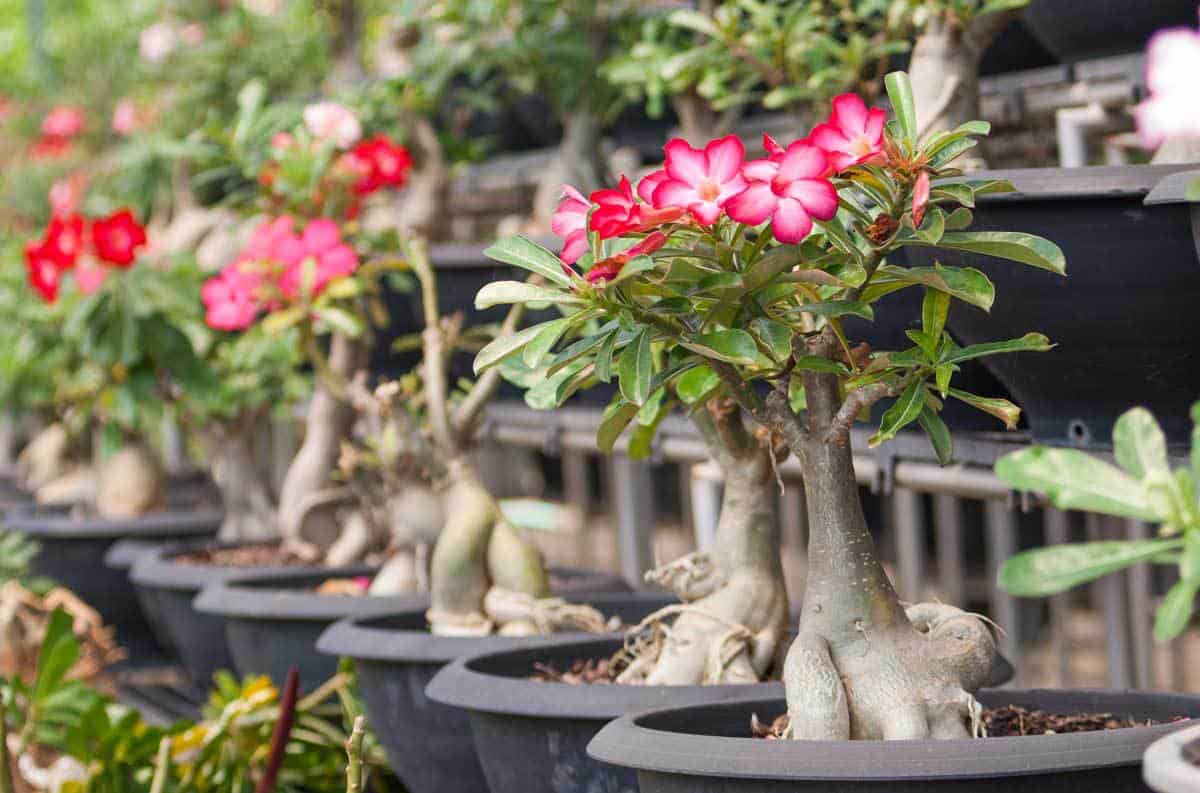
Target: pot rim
[[466, 684], [161, 523], [358, 638], [157, 568], [1163, 766], [277, 596], [629, 743], [1093, 181]]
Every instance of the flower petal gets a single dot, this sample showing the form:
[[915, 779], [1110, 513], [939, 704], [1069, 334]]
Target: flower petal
[[705, 212], [685, 163], [574, 246], [849, 113], [321, 235], [876, 120], [791, 224], [725, 157], [818, 197], [753, 205], [760, 170], [675, 193], [802, 161]]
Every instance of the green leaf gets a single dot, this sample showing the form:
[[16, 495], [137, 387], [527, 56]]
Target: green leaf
[[775, 336], [831, 309], [959, 219], [341, 320], [504, 292], [503, 346], [1196, 444], [634, 369], [939, 435], [694, 20], [696, 384], [899, 90], [1072, 479], [604, 356], [636, 266], [616, 418], [951, 151], [542, 343], [815, 363], [770, 264], [1030, 342], [797, 398], [651, 415], [934, 310], [731, 345], [278, 321], [1175, 612], [1013, 245], [1139, 444], [1048, 571], [963, 283], [550, 392], [953, 191], [904, 411], [528, 255], [57, 655], [942, 375], [1000, 408]]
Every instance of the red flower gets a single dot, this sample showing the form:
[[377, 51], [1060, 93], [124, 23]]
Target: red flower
[[920, 200], [117, 238], [608, 269], [49, 148], [701, 179], [618, 212], [383, 163], [64, 240], [44, 272], [570, 223], [853, 135], [790, 188]]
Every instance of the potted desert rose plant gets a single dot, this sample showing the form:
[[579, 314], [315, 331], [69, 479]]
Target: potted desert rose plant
[[124, 328], [1143, 486], [754, 290]]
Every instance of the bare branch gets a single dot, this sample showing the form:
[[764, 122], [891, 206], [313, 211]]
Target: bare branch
[[434, 353], [855, 403], [485, 387]]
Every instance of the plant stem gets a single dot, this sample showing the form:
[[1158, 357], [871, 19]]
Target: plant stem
[[7, 782], [162, 766], [283, 729], [354, 756]]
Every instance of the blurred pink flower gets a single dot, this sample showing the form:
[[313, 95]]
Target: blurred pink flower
[[158, 41], [231, 299], [334, 122], [321, 243], [282, 140], [89, 274], [67, 194], [1173, 107], [125, 117], [570, 223], [193, 34], [63, 121]]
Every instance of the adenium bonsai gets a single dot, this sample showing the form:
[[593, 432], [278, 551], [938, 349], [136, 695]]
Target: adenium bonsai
[[1141, 486], [727, 281]]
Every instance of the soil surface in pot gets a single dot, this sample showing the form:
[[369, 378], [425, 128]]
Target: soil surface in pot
[[1011, 721], [267, 554]]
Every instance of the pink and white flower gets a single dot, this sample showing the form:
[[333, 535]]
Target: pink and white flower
[[790, 189], [1173, 108], [333, 122], [125, 117], [702, 180], [853, 135], [570, 223], [231, 300], [157, 42], [619, 212]]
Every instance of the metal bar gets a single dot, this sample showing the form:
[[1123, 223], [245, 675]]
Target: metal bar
[[1057, 524], [1109, 592], [910, 544], [705, 484], [577, 491], [1000, 528], [1141, 611], [633, 498], [947, 523]]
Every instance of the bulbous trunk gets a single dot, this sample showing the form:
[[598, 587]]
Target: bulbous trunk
[[578, 163], [329, 420], [130, 482], [422, 210], [245, 488]]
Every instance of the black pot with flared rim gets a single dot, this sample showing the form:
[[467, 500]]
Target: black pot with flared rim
[[73, 552], [706, 748], [1124, 318], [1073, 30], [273, 619], [549, 725], [1165, 766], [429, 745]]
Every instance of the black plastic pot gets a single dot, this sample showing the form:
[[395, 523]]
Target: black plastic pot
[[166, 588], [549, 725], [1077, 29], [429, 745], [1164, 766], [73, 552], [701, 749], [1124, 318]]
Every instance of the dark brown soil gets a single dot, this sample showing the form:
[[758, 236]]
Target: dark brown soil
[[591, 671], [268, 554], [1007, 722]]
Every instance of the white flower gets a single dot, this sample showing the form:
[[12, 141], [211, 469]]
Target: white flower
[[331, 121], [264, 8], [158, 41], [1172, 71]]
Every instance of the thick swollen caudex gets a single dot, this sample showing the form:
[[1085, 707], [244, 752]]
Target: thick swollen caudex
[[735, 610], [245, 492], [863, 666], [328, 422]]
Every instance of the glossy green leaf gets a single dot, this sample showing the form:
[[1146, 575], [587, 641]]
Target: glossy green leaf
[[962, 283], [651, 415], [1139, 445], [604, 356], [831, 309], [953, 191], [1048, 571], [1000, 408], [504, 292], [770, 264], [634, 369], [899, 90], [528, 255], [1016, 246], [904, 411], [730, 345], [959, 219], [775, 336], [503, 346], [816, 363], [1175, 611], [616, 418], [939, 435], [545, 340], [934, 310], [1030, 342], [696, 384], [1072, 479]]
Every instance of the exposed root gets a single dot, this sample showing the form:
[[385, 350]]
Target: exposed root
[[691, 577], [545, 615], [129, 483]]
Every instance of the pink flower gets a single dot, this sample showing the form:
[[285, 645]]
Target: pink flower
[[63, 121], [66, 195], [610, 268], [321, 243], [618, 212], [701, 179], [1173, 108], [231, 299], [791, 189], [920, 199], [283, 140], [772, 146], [89, 275], [124, 119], [570, 223], [193, 34], [333, 122], [157, 42], [853, 135], [649, 183]]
